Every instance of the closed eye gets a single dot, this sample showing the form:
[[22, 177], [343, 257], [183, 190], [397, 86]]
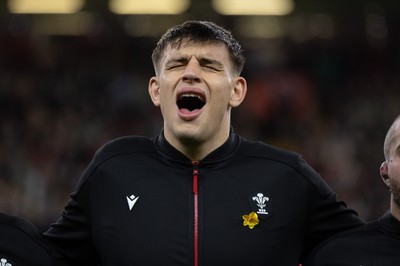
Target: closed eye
[[212, 67], [172, 66], [176, 63], [211, 64]]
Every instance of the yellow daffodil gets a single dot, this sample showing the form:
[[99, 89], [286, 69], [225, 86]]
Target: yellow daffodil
[[250, 220]]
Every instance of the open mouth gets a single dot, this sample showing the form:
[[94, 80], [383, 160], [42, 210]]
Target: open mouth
[[190, 101]]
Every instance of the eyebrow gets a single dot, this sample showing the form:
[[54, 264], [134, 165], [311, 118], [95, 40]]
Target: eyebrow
[[177, 60], [202, 61], [208, 61]]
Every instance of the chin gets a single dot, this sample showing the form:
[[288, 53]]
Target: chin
[[190, 136]]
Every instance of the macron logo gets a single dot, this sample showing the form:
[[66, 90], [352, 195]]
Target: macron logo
[[131, 201], [3, 262]]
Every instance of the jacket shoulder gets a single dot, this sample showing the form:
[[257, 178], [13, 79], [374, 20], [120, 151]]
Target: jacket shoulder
[[285, 159], [346, 246], [125, 145], [24, 244], [258, 149], [119, 147]]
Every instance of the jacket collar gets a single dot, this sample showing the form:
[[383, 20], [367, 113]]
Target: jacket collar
[[222, 153], [391, 224]]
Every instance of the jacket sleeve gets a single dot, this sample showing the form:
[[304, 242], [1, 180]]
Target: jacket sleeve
[[327, 215], [71, 234]]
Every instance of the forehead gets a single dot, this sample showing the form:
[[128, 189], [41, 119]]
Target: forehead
[[215, 50]]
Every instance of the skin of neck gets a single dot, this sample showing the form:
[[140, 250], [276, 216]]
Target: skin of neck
[[196, 150], [395, 209]]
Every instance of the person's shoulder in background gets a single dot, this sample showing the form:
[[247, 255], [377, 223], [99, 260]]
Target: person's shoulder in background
[[21, 243], [375, 243]]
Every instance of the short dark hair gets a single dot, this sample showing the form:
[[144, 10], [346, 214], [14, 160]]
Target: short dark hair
[[199, 32]]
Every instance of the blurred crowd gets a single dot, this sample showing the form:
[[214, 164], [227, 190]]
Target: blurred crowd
[[61, 98]]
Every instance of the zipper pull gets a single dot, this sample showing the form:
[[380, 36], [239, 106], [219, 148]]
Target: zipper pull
[[195, 176]]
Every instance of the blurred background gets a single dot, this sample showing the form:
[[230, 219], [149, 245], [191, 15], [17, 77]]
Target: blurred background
[[323, 81]]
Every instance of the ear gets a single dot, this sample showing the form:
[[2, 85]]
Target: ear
[[239, 92], [154, 91], [384, 173]]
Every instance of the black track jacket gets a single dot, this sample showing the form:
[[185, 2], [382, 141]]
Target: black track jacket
[[141, 202], [375, 244]]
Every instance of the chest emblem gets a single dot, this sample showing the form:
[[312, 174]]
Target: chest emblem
[[261, 202], [132, 199], [3, 262]]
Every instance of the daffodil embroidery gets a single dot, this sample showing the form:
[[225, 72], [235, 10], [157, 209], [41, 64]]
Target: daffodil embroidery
[[250, 220]]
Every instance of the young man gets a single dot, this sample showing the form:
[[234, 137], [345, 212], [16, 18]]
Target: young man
[[197, 194], [378, 242]]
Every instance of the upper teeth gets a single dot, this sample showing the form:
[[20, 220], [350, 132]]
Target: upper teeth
[[192, 95]]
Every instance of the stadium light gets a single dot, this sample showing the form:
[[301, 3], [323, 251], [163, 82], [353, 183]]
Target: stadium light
[[45, 6], [253, 7], [149, 6]]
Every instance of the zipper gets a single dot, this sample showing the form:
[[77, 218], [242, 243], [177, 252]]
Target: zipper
[[196, 212]]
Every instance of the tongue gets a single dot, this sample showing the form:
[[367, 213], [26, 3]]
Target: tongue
[[186, 111]]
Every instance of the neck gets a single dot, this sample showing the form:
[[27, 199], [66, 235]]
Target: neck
[[194, 149], [395, 210]]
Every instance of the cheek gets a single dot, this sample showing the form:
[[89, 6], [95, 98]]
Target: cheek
[[166, 93], [223, 91], [168, 78], [395, 190], [394, 170], [220, 101]]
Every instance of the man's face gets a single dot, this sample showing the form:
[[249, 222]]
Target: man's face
[[195, 88], [393, 168]]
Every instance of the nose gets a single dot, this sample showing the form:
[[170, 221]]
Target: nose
[[192, 71]]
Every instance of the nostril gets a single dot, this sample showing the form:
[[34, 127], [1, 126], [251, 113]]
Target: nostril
[[189, 78]]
